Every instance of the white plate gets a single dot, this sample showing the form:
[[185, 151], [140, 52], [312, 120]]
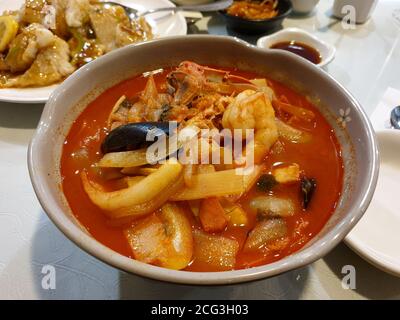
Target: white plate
[[326, 50], [377, 236], [163, 24]]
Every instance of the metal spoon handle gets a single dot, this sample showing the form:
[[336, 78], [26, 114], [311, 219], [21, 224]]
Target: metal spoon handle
[[215, 6], [395, 117]]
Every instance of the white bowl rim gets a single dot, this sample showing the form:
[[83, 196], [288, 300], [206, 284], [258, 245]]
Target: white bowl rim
[[100, 251], [330, 48]]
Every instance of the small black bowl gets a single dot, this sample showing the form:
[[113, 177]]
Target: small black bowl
[[242, 25]]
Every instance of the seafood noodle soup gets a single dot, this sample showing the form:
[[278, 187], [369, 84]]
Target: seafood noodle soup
[[242, 200]]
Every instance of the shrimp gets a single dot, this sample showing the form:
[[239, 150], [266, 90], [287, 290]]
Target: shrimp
[[253, 110], [191, 80]]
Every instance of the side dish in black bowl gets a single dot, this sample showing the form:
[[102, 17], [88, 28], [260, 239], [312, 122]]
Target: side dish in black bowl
[[256, 17]]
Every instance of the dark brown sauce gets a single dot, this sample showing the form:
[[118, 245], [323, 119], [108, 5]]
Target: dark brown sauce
[[300, 49]]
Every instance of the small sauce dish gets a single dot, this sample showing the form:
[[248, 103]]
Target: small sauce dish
[[301, 43]]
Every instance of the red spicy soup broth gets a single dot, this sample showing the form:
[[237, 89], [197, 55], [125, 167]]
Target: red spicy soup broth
[[320, 159]]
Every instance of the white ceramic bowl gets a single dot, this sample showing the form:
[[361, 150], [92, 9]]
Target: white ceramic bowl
[[363, 9], [67, 102], [326, 50], [304, 6]]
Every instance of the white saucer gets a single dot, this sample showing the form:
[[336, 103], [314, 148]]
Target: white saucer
[[326, 50], [376, 237]]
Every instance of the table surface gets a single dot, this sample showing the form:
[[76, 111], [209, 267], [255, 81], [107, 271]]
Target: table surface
[[367, 63]]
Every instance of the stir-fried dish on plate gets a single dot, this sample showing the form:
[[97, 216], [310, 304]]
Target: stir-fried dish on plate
[[201, 168], [47, 40], [254, 10]]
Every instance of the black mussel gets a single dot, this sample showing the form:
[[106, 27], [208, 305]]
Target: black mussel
[[308, 186], [132, 136]]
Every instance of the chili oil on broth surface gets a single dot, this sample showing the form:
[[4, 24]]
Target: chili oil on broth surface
[[319, 159]]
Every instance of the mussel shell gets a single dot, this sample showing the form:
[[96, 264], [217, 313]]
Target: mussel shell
[[131, 136], [307, 188]]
